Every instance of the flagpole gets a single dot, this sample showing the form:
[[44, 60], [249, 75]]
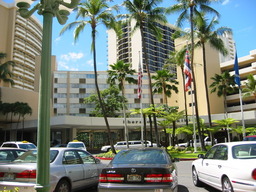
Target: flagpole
[[140, 95], [237, 80], [193, 116]]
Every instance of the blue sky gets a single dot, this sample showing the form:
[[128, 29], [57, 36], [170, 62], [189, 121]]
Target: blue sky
[[239, 15]]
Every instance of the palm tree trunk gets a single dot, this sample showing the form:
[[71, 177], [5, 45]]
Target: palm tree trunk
[[206, 88], [149, 81], [193, 76], [98, 91], [173, 133], [125, 123]]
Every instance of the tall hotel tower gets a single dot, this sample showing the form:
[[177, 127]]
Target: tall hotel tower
[[129, 47], [21, 40]]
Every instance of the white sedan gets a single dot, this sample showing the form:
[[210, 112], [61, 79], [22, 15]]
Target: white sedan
[[229, 167], [70, 169]]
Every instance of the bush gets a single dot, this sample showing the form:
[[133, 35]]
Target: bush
[[16, 189]]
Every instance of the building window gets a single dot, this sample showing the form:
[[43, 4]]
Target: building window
[[55, 111], [55, 80], [190, 104], [81, 100], [82, 90], [55, 100], [82, 81], [82, 110], [55, 90], [136, 100]]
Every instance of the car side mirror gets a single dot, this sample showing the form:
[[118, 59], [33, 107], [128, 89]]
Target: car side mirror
[[175, 160], [97, 161], [200, 156]]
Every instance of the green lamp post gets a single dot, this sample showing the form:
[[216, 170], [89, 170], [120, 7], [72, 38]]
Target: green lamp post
[[48, 9]]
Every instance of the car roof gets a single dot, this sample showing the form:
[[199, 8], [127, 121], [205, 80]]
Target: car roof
[[17, 142], [237, 143], [12, 148]]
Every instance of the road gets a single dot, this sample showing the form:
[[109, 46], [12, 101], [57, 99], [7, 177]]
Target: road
[[184, 177]]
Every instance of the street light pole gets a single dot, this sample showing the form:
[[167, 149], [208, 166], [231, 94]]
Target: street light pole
[[48, 9]]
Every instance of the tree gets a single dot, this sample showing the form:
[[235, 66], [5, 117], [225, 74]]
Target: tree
[[164, 83], [177, 58], [173, 117], [223, 84], [146, 14], [5, 69], [187, 9], [205, 33], [250, 87], [96, 12], [225, 123], [121, 72], [113, 102]]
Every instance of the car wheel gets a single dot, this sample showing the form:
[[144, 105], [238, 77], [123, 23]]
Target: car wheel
[[196, 181], [226, 185], [63, 186]]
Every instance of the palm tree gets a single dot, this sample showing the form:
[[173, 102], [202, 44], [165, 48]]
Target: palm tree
[[250, 87], [177, 58], [223, 84], [205, 33], [5, 69], [164, 83], [146, 14], [187, 9], [173, 117], [122, 72], [225, 123], [93, 13]]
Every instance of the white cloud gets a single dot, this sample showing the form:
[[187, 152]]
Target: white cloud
[[89, 62], [57, 39], [225, 2], [72, 56], [65, 67]]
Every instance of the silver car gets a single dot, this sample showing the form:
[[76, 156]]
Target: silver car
[[70, 169], [9, 154], [140, 170]]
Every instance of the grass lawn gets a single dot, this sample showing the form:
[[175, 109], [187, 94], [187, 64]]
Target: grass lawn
[[185, 155]]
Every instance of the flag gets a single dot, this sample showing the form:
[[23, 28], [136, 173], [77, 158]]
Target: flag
[[139, 91], [187, 71], [236, 68]]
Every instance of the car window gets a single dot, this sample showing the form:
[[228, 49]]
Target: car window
[[140, 157], [71, 157], [27, 146], [10, 145], [221, 153], [27, 157], [76, 145], [7, 156], [210, 153], [121, 144], [86, 157], [245, 151]]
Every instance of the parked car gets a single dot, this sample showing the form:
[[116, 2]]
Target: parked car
[[144, 169], [250, 138], [132, 144], [70, 169], [9, 154], [19, 144], [207, 141], [227, 167], [76, 144]]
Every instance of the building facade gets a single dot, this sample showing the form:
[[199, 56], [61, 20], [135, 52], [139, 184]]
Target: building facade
[[129, 47], [21, 40]]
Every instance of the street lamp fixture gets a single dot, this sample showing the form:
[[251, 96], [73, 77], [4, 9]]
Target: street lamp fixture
[[48, 9]]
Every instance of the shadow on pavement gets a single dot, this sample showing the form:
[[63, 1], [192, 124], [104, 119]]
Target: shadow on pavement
[[182, 188]]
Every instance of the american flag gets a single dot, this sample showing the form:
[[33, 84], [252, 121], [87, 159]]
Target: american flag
[[139, 91], [187, 72]]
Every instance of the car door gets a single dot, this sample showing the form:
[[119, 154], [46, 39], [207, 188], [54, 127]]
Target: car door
[[73, 167], [217, 165], [90, 167], [205, 165]]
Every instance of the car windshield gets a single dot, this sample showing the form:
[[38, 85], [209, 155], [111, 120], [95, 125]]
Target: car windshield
[[31, 156], [140, 157], [27, 146], [245, 151], [76, 145]]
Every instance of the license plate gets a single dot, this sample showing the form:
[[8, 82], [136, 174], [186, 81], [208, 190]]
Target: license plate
[[8, 176], [133, 177]]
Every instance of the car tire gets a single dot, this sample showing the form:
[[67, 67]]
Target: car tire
[[63, 186], [226, 185], [196, 181]]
